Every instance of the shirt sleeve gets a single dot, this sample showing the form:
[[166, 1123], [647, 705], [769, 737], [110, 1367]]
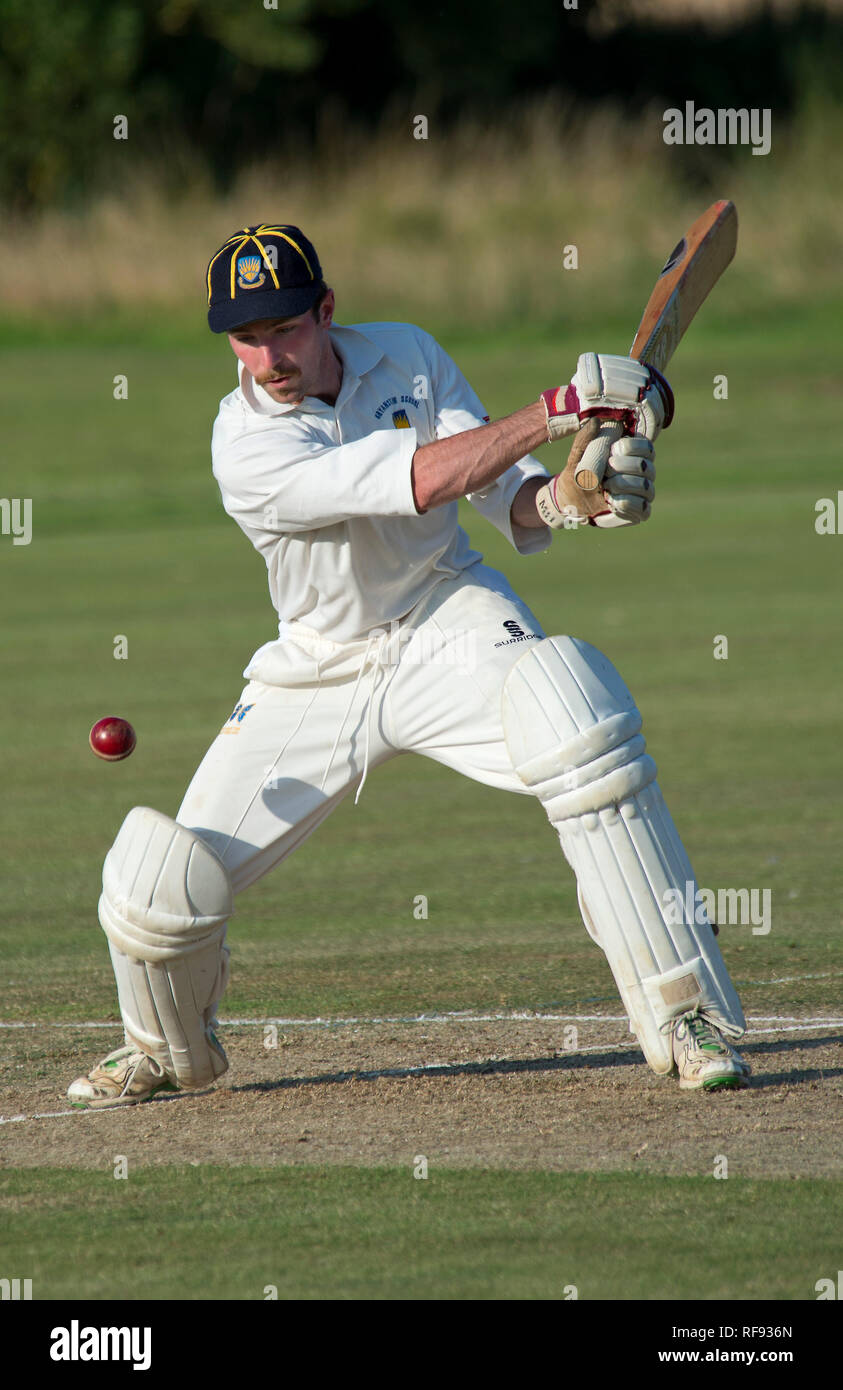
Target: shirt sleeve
[[274, 484], [458, 408]]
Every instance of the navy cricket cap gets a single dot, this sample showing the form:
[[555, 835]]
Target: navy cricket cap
[[263, 272]]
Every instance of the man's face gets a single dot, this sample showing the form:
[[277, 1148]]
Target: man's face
[[290, 358]]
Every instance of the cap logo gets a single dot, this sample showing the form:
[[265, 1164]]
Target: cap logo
[[249, 274]]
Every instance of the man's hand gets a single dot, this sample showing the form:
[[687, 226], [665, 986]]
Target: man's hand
[[629, 483], [624, 497], [617, 388]]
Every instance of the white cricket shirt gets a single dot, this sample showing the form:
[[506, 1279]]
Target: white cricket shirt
[[324, 491]]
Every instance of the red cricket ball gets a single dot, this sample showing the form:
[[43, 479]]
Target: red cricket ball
[[112, 738]]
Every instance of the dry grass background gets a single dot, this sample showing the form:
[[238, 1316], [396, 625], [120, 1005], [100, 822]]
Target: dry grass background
[[468, 228], [720, 13]]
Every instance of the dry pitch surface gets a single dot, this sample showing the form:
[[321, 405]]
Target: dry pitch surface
[[501, 1093]]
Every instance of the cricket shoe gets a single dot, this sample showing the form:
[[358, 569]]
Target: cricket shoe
[[124, 1077], [704, 1059]]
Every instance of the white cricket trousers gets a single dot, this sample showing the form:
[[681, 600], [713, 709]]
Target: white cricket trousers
[[318, 716]]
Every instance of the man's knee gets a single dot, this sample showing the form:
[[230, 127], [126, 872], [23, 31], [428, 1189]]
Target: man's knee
[[573, 730], [165, 902]]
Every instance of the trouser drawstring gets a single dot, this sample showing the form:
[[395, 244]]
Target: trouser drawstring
[[379, 638]]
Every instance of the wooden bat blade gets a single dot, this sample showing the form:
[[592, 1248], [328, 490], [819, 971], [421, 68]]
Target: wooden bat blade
[[690, 273]]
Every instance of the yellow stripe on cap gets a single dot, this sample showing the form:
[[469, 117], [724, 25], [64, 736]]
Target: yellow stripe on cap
[[237, 236], [234, 254], [210, 268], [282, 232], [296, 247], [267, 262]]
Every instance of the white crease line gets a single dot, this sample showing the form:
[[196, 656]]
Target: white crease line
[[51, 1023], [794, 979], [798, 1028], [455, 1017], [458, 1017], [824, 1021], [795, 1018], [45, 1115]]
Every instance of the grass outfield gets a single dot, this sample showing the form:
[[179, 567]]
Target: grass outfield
[[317, 1233], [130, 538]]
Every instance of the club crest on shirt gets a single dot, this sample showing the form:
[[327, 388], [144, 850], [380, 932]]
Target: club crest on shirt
[[400, 418], [249, 274]]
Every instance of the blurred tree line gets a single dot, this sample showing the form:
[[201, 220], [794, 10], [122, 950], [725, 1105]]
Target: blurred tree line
[[212, 85]]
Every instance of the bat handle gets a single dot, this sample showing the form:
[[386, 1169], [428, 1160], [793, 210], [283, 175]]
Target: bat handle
[[590, 451]]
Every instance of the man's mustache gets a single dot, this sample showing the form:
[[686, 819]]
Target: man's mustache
[[272, 376]]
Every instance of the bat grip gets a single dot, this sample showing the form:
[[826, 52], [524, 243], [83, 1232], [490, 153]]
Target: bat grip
[[594, 451]]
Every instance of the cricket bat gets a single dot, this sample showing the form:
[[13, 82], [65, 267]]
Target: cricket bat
[[690, 273]]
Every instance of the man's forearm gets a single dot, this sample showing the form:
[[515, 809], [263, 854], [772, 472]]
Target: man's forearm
[[468, 462]]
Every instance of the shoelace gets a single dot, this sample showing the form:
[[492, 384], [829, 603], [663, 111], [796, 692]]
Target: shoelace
[[705, 1036], [698, 1020]]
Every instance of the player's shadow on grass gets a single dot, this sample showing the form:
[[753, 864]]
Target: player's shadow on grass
[[797, 1075], [501, 1066], [592, 1061]]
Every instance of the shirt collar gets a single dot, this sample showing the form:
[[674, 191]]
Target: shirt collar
[[359, 355]]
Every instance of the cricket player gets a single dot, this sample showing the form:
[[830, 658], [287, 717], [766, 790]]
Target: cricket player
[[342, 454]]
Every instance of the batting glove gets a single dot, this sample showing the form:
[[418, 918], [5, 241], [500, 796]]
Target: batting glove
[[629, 483], [624, 497], [615, 388]]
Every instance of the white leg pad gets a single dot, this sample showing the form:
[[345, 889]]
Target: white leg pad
[[573, 733], [165, 902]]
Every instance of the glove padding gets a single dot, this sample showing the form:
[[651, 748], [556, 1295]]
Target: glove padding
[[624, 497], [629, 483], [617, 388]]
